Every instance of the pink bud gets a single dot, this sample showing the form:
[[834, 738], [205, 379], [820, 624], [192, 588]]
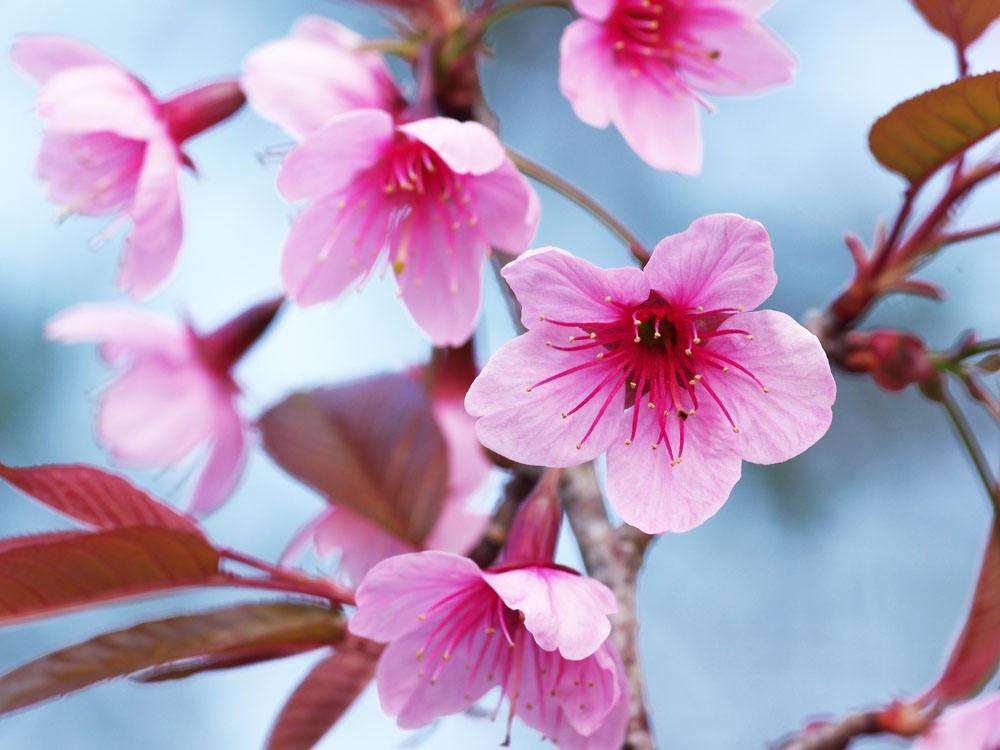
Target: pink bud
[[195, 111], [895, 359], [223, 348], [535, 529]]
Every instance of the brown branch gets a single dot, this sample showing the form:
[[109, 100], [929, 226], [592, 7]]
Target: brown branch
[[835, 735], [614, 558]]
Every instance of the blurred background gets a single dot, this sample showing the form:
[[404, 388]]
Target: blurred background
[[824, 584]]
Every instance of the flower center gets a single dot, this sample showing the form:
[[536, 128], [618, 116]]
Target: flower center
[[662, 356]]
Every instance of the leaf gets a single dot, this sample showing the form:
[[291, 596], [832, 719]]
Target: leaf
[[922, 134], [962, 21], [976, 652], [60, 571], [372, 445], [151, 643], [324, 695], [93, 496], [237, 657]]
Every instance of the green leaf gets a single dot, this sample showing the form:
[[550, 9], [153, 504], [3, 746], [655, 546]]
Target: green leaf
[[922, 134], [962, 21], [149, 644]]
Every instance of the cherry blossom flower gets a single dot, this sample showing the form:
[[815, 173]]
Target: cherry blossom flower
[[974, 725], [664, 368], [317, 72], [110, 147], [535, 629], [432, 195], [175, 393], [644, 64]]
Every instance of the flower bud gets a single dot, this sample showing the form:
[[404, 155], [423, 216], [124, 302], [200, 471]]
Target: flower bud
[[195, 111], [535, 529], [895, 359], [223, 348]]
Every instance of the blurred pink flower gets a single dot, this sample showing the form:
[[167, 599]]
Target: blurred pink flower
[[661, 367], [974, 725], [643, 65], [175, 392], [317, 72], [435, 195], [537, 630], [110, 147]]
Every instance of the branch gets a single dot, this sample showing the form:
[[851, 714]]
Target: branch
[[613, 558], [836, 735]]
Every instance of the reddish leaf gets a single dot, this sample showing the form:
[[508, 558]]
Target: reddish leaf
[[962, 21], [324, 695], [237, 657], [62, 571], [150, 643], [93, 496], [922, 134], [976, 652], [372, 445]]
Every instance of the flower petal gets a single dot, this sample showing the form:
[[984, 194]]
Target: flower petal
[[658, 117], [610, 732], [554, 284], [362, 545], [720, 261], [41, 56], [120, 330], [562, 610], [152, 245], [791, 364], [650, 494], [458, 527], [507, 208], [598, 10], [397, 591], [226, 458], [588, 72], [971, 725], [466, 147], [329, 159], [528, 426]]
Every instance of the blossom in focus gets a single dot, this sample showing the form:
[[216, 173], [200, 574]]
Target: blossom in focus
[[431, 196], [644, 65], [317, 72], [175, 393], [111, 148], [666, 368], [535, 629], [974, 725], [361, 543]]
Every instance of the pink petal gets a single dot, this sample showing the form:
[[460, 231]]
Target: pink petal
[[322, 29], [588, 71], [562, 610], [791, 364], [98, 98], [442, 284], [361, 544], [329, 160], [466, 147], [658, 117], [554, 284], [611, 730], [90, 173], [226, 458], [507, 208], [590, 688], [322, 254], [156, 413], [468, 466], [397, 591], [720, 261], [42, 56], [598, 10], [528, 426], [303, 540], [974, 725], [650, 494], [458, 528], [152, 246], [122, 331], [751, 58]]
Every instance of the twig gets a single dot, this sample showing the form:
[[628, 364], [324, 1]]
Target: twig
[[967, 234], [284, 579], [614, 558], [836, 735], [972, 446]]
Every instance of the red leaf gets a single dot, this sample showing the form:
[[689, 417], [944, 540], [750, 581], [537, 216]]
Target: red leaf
[[372, 445], [93, 496], [265, 625], [324, 695], [962, 21], [976, 652], [237, 657], [61, 571]]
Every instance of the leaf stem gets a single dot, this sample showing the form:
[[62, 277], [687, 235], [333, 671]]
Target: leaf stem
[[539, 173], [971, 444], [968, 234], [284, 579]]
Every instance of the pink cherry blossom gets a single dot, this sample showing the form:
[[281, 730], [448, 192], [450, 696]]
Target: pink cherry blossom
[[974, 725], [665, 368], [432, 196], [455, 632], [111, 148], [643, 65], [317, 72], [175, 394]]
